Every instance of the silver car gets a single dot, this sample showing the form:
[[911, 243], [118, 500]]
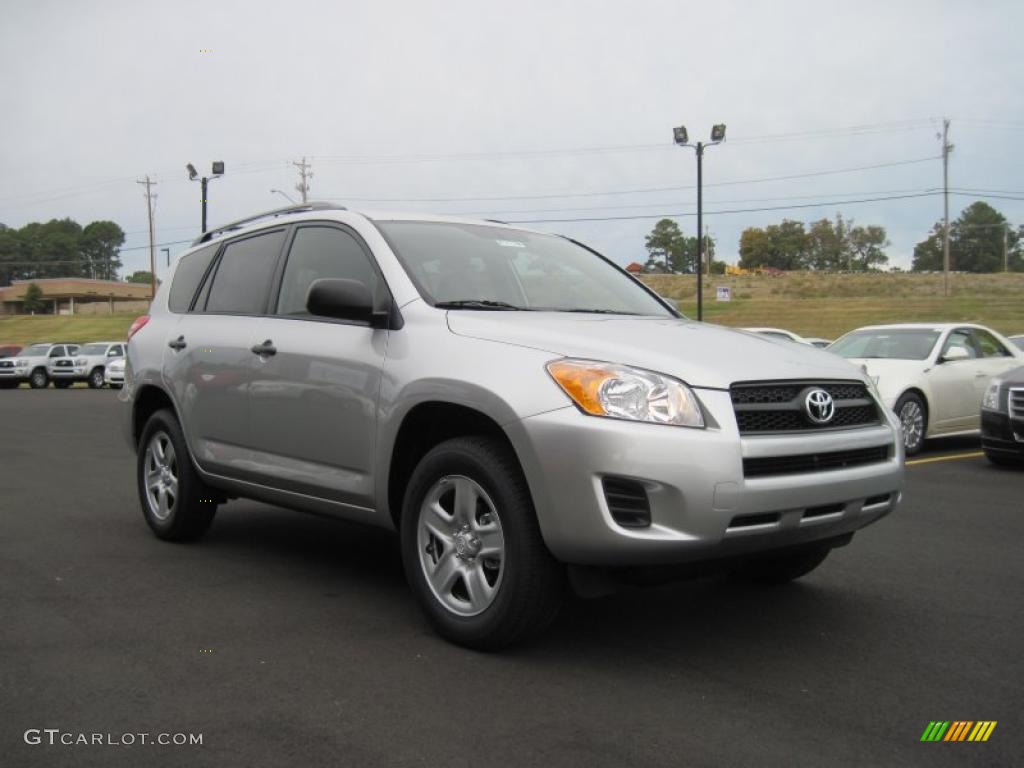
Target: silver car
[[521, 410], [86, 363]]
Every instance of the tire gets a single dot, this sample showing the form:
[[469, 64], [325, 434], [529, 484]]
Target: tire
[[96, 379], [176, 503], [913, 416], [59, 384], [784, 568], [38, 379], [504, 586], [1004, 461]]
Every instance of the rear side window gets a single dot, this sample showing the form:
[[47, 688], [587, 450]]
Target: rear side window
[[318, 252], [989, 345], [187, 276], [243, 276]]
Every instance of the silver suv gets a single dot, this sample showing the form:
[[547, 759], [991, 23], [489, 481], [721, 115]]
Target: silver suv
[[31, 364], [87, 363], [520, 409]]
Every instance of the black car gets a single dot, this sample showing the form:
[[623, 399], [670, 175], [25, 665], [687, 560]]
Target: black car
[[1002, 419]]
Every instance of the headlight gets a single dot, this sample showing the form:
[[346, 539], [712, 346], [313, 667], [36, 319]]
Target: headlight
[[990, 401], [621, 392], [80, 362], [20, 363]]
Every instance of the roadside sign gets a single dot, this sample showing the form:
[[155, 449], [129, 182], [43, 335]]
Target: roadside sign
[[724, 293]]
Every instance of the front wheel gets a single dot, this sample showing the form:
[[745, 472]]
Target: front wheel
[[176, 503], [472, 547], [38, 379], [96, 379], [914, 422]]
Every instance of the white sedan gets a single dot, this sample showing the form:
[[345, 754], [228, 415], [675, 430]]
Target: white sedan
[[932, 375]]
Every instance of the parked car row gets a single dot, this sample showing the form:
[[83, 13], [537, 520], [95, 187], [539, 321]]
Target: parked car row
[[63, 363], [934, 376]]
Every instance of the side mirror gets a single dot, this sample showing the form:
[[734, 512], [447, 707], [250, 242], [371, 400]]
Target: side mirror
[[340, 299], [955, 353]]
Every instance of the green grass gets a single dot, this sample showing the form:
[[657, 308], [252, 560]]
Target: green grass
[[26, 329], [829, 305]]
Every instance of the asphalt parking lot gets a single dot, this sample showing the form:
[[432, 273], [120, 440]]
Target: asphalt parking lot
[[287, 639]]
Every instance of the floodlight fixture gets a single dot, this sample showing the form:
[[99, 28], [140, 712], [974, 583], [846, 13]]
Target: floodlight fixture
[[192, 173], [218, 165], [718, 132], [680, 135]]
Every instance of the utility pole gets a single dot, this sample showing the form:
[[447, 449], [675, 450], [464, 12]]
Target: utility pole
[[150, 202], [707, 247], [1006, 253], [946, 149], [305, 174]]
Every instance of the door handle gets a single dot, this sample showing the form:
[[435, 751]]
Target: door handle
[[178, 344], [266, 348]]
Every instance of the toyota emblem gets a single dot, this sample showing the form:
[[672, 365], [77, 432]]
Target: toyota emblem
[[819, 406]]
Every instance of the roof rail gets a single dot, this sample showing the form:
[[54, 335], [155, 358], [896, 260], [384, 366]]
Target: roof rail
[[301, 208]]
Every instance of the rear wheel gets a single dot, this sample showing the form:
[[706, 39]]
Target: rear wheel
[[783, 568], [472, 547], [96, 379], [38, 379], [913, 420], [176, 503]]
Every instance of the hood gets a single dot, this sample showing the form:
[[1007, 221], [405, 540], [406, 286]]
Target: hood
[[700, 354]]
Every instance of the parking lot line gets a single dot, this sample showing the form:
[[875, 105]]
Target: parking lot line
[[973, 455]]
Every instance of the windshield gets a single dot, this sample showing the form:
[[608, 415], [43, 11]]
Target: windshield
[[37, 350], [906, 344], [93, 349], [471, 266]]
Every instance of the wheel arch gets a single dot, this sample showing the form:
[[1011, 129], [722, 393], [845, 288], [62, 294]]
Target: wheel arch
[[147, 400], [424, 426]]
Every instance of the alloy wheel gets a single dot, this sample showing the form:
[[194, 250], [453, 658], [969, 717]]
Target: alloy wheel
[[461, 545], [161, 476], [912, 421]]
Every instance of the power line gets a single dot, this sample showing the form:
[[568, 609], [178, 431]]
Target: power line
[[728, 210], [610, 193]]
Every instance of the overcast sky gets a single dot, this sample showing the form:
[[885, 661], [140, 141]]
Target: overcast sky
[[513, 110]]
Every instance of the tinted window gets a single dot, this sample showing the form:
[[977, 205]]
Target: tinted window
[[318, 252], [243, 275], [191, 268], [57, 352], [116, 351], [989, 345]]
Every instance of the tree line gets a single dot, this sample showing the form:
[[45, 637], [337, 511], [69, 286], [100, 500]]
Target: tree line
[[979, 241], [60, 248]]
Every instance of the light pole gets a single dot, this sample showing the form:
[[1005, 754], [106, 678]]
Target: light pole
[[284, 195], [717, 137], [216, 171]]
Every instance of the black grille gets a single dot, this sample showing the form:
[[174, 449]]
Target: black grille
[[627, 502], [778, 406], [6, 363], [64, 363], [813, 462]]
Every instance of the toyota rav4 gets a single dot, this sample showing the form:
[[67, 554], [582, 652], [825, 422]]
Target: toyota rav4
[[522, 411]]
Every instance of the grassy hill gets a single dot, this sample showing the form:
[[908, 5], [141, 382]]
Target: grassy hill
[[808, 303], [828, 305]]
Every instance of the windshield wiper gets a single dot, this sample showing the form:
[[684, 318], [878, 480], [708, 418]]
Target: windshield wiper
[[600, 311], [478, 304]]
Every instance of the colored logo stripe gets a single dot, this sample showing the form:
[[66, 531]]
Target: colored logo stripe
[[958, 730]]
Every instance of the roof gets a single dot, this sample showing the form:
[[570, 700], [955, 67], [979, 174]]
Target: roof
[[919, 326]]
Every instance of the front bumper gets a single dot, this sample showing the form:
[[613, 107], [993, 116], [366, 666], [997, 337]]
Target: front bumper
[[1001, 435], [76, 373], [13, 374], [700, 502]]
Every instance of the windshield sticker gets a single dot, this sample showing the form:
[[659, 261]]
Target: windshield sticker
[[510, 244]]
